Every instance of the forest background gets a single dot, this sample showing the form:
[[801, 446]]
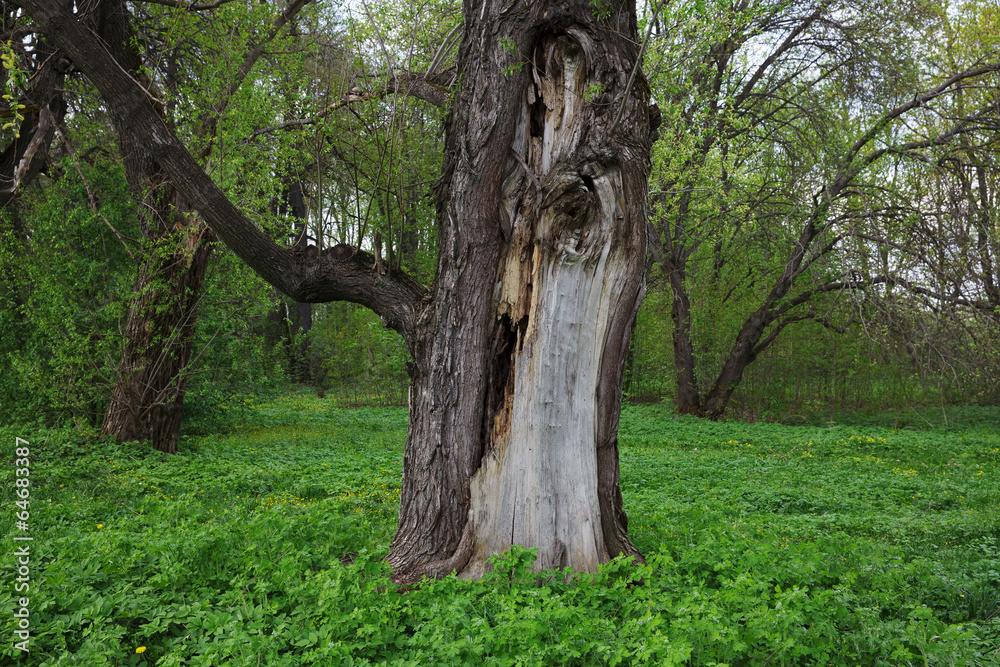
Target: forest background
[[323, 131]]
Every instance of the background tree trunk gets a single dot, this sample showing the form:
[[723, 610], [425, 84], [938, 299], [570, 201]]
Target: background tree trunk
[[148, 393], [300, 320], [688, 399]]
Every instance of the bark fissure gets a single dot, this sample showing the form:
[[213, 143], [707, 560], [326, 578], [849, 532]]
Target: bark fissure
[[500, 391]]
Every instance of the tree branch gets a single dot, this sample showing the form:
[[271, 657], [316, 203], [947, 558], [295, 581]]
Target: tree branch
[[954, 299], [341, 273], [790, 42], [918, 100], [446, 45], [835, 286], [187, 6], [429, 89], [211, 124], [852, 165]]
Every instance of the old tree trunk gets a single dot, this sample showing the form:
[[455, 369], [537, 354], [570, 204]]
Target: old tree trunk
[[517, 365], [147, 397], [518, 348]]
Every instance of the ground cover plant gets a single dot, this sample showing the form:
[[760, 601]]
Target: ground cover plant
[[869, 540]]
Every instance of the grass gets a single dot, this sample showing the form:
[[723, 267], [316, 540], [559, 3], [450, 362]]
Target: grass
[[874, 541]]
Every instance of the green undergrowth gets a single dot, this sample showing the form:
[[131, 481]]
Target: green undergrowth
[[865, 542]]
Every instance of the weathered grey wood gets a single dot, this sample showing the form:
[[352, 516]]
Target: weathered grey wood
[[560, 281]]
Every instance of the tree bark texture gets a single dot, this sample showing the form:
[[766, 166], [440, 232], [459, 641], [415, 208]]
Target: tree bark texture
[[148, 394], [147, 397], [518, 348], [688, 400], [516, 379]]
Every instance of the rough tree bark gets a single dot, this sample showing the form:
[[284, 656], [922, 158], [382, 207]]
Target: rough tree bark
[[516, 376], [519, 347], [147, 397]]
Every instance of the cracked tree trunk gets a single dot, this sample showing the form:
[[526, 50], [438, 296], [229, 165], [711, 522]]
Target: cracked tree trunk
[[516, 381]]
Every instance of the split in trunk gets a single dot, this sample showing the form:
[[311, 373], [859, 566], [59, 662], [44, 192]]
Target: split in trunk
[[516, 386]]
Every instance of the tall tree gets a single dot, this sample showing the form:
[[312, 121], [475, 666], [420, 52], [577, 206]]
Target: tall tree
[[779, 117], [148, 393], [519, 346]]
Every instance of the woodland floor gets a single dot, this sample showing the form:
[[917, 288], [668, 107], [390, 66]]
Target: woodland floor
[[867, 540]]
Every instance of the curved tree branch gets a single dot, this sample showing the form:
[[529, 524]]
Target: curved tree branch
[[188, 6], [432, 89], [341, 273]]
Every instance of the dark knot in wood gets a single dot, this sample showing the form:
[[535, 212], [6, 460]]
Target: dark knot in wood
[[342, 251]]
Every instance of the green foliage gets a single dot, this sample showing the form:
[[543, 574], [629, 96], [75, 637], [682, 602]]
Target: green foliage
[[231, 353], [872, 542], [362, 362], [64, 305], [741, 184], [508, 45], [600, 9], [511, 48], [593, 91], [65, 298], [14, 78], [811, 369], [649, 372]]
